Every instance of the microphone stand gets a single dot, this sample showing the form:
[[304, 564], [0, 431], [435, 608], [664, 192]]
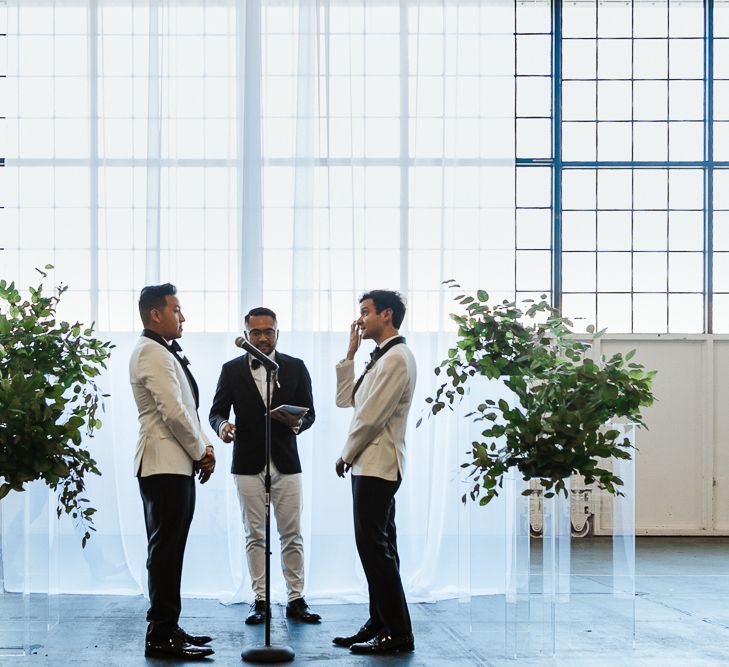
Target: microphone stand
[[267, 652]]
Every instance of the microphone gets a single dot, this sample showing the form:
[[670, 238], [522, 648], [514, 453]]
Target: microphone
[[268, 364]]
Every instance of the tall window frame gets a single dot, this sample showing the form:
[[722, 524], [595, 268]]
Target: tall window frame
[[706, 283]]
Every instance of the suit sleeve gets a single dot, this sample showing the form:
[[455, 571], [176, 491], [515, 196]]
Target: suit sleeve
[[220, 409], [157, 373], [345, 383], [305, 398], [383, 397]]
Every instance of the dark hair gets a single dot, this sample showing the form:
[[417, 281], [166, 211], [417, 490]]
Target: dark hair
[[260, 312], [153, 297], [385, 298]]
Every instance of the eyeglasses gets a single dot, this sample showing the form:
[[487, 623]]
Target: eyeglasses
[[260, 333]]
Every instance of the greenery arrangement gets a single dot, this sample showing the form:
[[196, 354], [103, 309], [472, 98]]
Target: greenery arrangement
[[47, 396], [564, 399]]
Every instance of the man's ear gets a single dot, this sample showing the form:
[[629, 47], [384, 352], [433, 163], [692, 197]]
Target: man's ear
[[154, 316], [387, 315]]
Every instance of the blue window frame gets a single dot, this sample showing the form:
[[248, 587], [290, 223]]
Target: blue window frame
[[635, 151]]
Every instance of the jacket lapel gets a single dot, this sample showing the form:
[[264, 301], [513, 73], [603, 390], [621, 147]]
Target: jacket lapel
[[184, 365]]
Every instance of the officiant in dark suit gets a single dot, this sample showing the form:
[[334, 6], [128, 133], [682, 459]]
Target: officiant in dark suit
[[242, 386]]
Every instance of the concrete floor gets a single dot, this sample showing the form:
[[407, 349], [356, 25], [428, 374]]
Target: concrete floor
[[681, 618]]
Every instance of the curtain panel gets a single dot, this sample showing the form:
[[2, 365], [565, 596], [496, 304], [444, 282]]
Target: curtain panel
[[286, 154]]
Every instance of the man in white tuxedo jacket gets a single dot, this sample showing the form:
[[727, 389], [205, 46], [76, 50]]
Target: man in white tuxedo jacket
[[375, 452], [171, 449]]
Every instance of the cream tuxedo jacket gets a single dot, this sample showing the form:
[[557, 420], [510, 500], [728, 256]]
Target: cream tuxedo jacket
[[170, 435], [376, 442]]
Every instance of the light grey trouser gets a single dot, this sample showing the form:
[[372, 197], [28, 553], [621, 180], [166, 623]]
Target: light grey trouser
[[287, 502]]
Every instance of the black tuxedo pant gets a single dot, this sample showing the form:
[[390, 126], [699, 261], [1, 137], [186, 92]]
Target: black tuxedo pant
[[169, 503], [376, 537]]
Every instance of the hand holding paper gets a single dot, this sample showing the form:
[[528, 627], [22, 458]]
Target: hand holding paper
[[290, 415]]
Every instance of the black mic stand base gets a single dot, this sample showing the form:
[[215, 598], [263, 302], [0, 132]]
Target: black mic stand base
[[268, 654]]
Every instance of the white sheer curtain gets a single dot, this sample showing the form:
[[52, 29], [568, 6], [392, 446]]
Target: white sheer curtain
[[287, 154]]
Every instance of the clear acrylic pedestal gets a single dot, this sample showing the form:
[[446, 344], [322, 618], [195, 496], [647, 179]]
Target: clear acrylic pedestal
[[29, 572], [567, 593]]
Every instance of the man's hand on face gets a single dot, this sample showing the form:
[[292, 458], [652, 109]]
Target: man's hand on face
[[355, 338]]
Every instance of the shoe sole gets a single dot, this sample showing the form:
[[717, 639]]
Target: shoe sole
[[347, 643], [175, 656], [403, 649], [302, 620]]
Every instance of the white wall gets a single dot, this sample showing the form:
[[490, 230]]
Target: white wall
[[682, 463]]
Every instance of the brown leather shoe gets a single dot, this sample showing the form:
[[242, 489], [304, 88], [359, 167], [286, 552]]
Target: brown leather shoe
[[299, 611]]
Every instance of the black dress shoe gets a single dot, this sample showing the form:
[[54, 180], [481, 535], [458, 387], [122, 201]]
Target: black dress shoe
[[175, 648], [257, 614], [195, 640], [385, 643], [364, 634], [299, 610]]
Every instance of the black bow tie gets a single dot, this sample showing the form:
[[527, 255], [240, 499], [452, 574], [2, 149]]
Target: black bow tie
[[255, 364], [175, 347]]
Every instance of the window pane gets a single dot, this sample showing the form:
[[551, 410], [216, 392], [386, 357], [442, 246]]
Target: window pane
[[613, 58], [578, 141], [580, 308], [650, 271], [533, 229], [650, 230], [614, 312], [579, 57], [578, 189], [613, 230], [578, 230], [613, 272], [650, 313], [685, 272], [578, 271], [685, 313], [614, 141]]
